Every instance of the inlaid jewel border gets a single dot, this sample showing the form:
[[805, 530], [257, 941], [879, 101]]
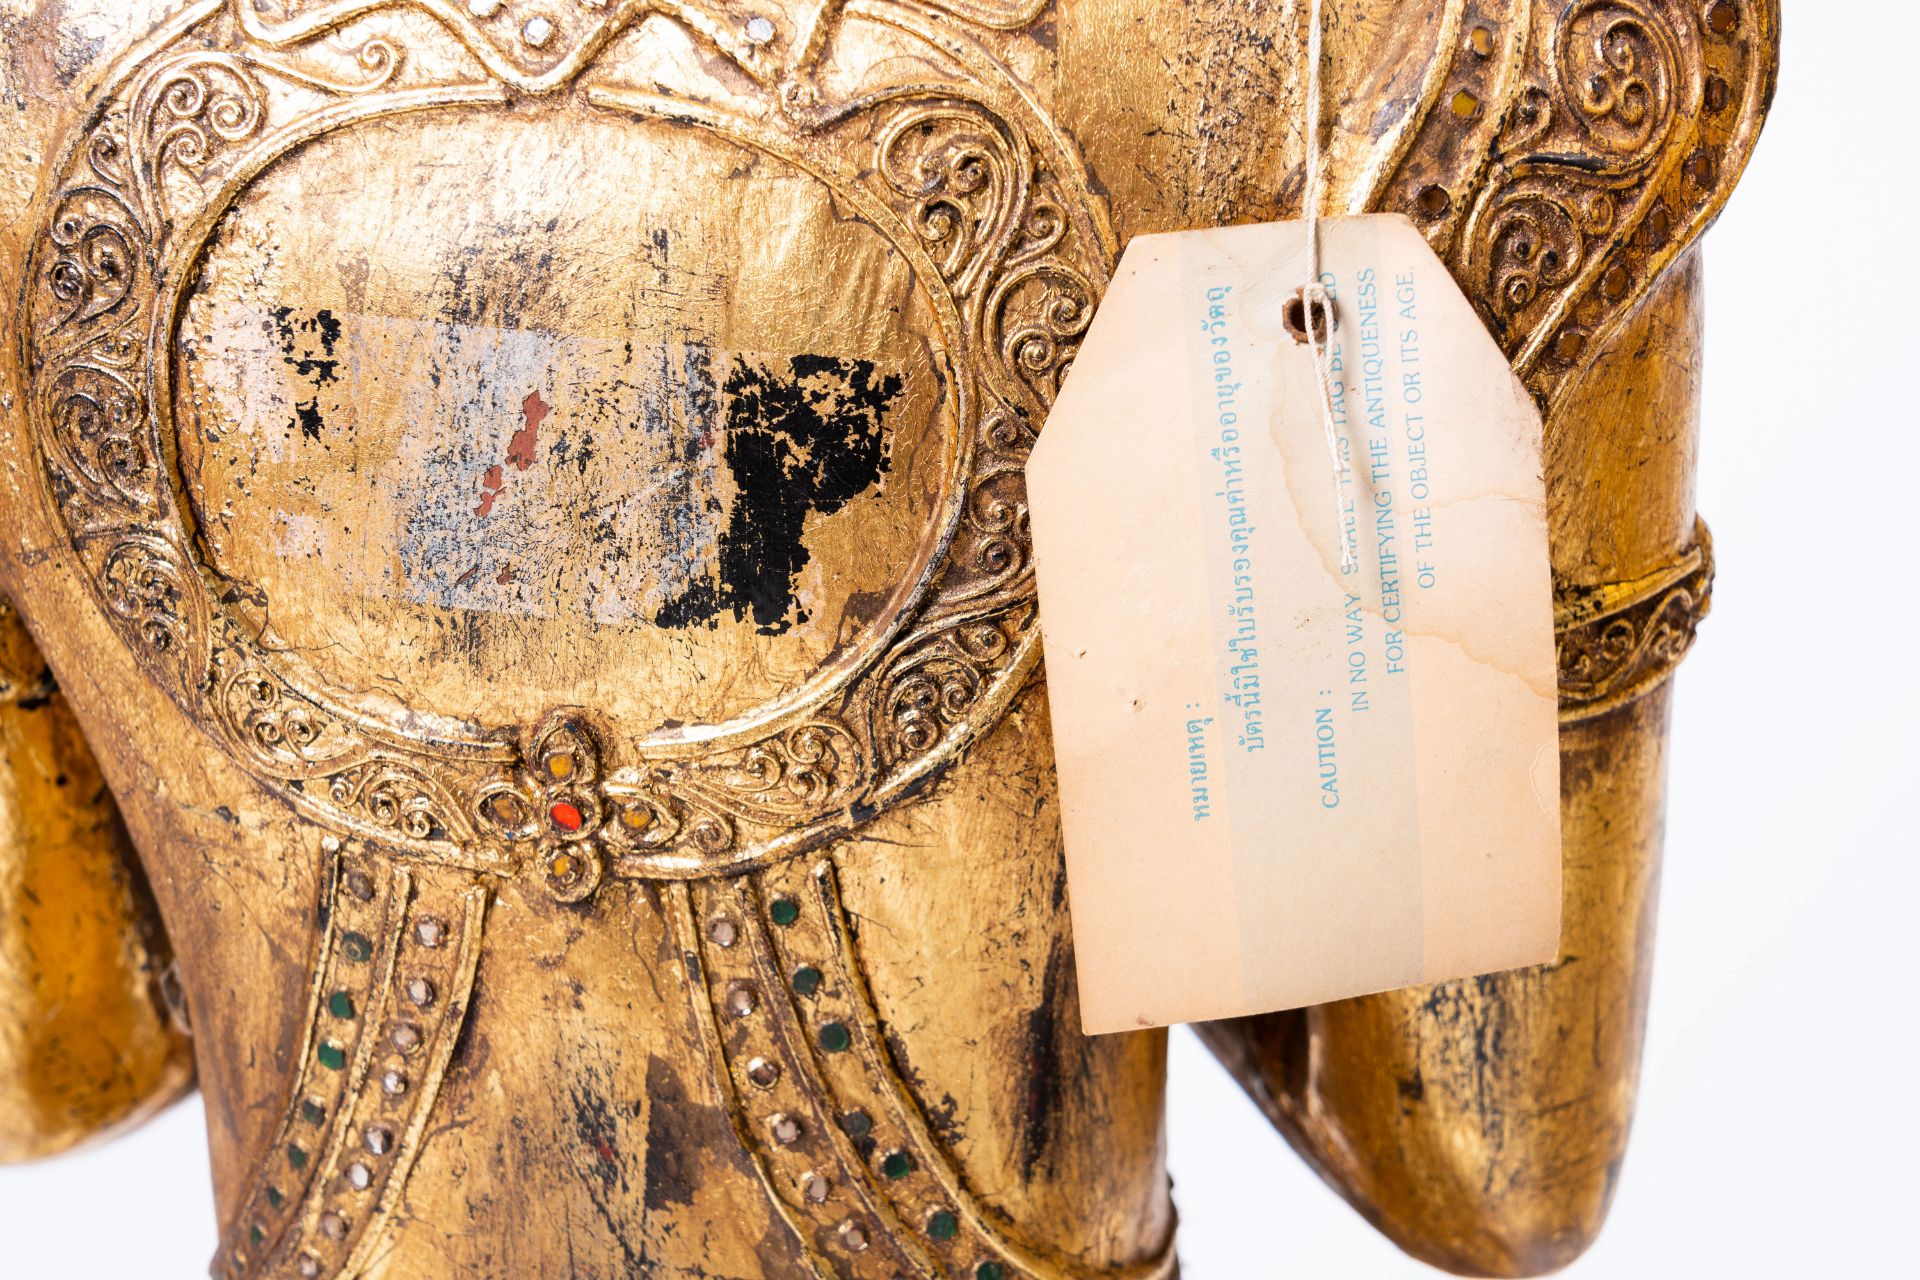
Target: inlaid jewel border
[[849, 1159], [391, 985]]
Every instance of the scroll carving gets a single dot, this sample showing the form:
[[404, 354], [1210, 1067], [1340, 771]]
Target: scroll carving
[[1581, 146], [1618, 134], [1618, 642]]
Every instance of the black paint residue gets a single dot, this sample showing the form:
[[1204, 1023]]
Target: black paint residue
[[804, 435], [1043, 1077], [598, 1128], [674, 1140], [307, 344]]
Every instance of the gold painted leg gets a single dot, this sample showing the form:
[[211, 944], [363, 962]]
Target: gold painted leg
[[86, 1041], [1481, 1124]]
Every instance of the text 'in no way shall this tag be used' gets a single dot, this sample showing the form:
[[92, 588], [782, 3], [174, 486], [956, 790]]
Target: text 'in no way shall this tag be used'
[[1289, 776]]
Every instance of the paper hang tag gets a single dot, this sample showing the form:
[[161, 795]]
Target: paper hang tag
[[1286, 781]]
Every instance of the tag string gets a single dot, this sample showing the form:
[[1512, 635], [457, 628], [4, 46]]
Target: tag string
[[1316, 304]]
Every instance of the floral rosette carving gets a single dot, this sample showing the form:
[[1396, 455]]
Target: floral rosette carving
[[556, 803], [582, 820]]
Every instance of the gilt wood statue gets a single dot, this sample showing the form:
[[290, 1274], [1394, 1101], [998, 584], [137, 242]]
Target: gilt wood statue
[[522, 500]]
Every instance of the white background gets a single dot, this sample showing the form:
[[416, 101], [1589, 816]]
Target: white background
[[1776, 1134]]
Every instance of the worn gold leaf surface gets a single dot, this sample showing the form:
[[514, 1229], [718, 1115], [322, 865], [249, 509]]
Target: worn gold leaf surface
[[291, 602]]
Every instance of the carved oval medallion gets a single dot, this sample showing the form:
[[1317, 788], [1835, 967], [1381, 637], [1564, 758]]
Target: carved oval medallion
[[686, 437], [556, 421]]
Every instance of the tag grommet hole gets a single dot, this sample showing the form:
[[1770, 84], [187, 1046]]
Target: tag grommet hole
[[1433, 202], [1293, 316]]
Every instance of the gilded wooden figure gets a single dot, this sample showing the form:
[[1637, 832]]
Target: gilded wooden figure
[[523, 499]]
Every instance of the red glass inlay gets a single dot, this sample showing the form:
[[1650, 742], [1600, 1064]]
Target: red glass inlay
[[566, 816]]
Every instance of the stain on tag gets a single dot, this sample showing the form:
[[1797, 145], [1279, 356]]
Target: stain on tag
[[1289, 776]]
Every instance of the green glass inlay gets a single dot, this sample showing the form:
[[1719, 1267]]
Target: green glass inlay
[[943, 1225], [255, 1234], [806, 980], [989, 1271], [784, 911], [834, 1037], [312, 1112], [898, 1164], [333, 1057], [340, 1004], [355, 946], [857, 1124], [276, 1197], [296, 1157]]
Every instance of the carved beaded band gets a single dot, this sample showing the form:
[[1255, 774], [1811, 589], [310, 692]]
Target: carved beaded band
[[1619, 642]]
